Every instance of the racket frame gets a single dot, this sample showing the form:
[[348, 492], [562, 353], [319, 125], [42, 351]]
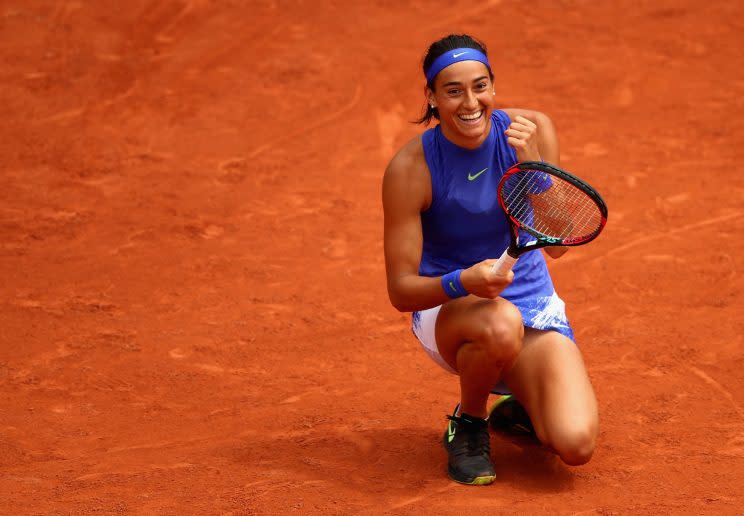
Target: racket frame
[[515, 250]]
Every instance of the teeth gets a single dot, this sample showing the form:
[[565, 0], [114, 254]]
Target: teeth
[[472, 117]]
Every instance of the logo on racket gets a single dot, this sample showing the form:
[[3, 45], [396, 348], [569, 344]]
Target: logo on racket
[[473, 177]]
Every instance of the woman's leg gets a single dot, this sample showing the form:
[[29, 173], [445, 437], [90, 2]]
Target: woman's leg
[[480, 339], [549, 378]]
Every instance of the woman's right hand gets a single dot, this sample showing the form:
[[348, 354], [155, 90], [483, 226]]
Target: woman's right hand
[[479, 281]]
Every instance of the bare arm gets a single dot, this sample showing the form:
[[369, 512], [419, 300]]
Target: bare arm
[[405, 193]]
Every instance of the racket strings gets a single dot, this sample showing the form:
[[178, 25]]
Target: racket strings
[[550, 205]]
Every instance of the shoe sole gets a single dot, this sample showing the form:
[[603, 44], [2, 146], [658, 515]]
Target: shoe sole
[[483, 480], [503, 398]]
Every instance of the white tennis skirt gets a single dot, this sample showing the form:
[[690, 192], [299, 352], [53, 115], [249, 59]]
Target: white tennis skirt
[[541, 313]]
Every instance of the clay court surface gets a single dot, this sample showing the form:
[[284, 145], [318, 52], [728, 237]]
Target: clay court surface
[[194, 316]]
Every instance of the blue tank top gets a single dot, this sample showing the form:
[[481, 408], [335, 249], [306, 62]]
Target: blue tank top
[[465, 223]]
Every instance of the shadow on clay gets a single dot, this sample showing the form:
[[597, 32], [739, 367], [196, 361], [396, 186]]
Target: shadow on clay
[[398, 458], [361, 459], [526, 464]]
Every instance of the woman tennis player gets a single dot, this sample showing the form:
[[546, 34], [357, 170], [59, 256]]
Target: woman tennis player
[[444, 228]]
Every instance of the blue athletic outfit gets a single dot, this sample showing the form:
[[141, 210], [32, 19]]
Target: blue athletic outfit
[[465, 223]]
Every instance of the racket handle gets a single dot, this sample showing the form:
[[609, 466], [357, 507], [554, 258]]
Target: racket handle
[[504, 264]]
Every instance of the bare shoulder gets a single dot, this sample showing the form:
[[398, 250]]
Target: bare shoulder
[[407, 175], [408, 160]]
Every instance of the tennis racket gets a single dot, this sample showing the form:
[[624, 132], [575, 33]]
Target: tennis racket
[[549, 204]]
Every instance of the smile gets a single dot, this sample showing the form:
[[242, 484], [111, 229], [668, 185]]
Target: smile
[[471, 118]]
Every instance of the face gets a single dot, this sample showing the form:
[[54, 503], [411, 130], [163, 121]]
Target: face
[[463, 93]]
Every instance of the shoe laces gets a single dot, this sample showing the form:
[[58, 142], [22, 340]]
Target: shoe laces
[[476, 433]]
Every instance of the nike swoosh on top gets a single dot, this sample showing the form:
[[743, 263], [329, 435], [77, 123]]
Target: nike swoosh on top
[[472, 177], [458, 55], [450, 432]]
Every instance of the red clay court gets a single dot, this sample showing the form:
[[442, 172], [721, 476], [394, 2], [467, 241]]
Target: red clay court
[[194, 316]]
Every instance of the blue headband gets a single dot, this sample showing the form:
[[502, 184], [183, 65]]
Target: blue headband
[[455, 56]]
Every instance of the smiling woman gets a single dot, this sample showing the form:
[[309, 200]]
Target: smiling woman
[[443, 230]]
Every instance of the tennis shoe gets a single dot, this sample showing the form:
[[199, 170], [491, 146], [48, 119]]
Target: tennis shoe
[[509, 416], [469, 450]]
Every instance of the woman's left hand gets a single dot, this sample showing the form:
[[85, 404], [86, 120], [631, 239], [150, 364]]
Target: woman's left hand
[[522, 135]]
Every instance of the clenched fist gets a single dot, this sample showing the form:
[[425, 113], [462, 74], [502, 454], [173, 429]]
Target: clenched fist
[[522, 136]]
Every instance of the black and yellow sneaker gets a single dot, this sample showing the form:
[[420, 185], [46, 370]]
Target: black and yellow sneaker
[[508, 415], [468, 445]]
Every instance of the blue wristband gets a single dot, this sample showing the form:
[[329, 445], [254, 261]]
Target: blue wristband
[[452, 285]]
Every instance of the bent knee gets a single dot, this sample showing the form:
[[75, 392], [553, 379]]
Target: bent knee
[[500, 327], [575, 447]]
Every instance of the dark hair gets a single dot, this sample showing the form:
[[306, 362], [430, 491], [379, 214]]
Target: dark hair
[[438, 48]]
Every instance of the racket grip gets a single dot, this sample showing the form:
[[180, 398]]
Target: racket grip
[[504, 264]]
